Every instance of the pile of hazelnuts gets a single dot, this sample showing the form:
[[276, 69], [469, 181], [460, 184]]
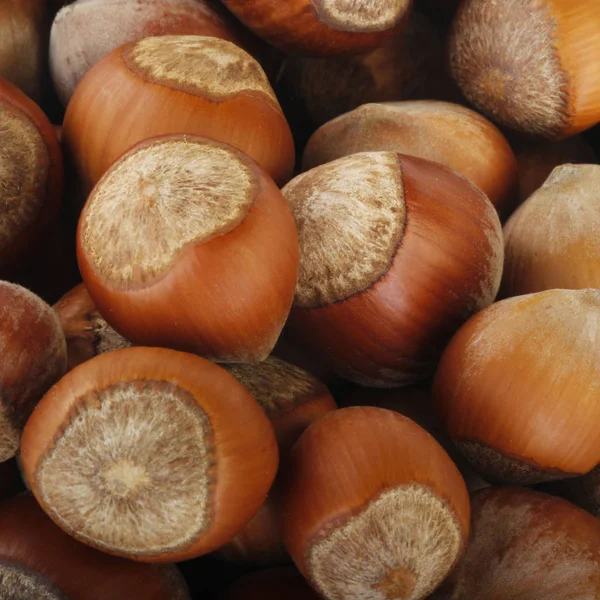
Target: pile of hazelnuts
[[299, 300]]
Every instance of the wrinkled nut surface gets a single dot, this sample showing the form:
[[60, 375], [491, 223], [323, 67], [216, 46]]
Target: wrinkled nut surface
[[33, 357]]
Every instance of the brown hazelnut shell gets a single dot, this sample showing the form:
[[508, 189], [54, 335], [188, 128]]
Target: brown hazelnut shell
[[302, 400], [427, 129], [298, 28], [29, 538], [526, 545], [23, 45], [371, 452], [241, 460], [415, 402], [552, 240], [249, 120], [408, 66], [87, 30], [553, 46], [47, 185], [446, 267], [86, 331], [516, 388], [221, 303], [34, 357]]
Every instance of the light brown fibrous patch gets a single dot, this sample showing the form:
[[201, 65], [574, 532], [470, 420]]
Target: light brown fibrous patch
[[504, 57], [23, 171], [106, 338], [350, 215], [159, 199], [361, 15], [131, 471], [205, 66], [495, 466], [18, 582], [400, 547], [275, 384], [10, 435]]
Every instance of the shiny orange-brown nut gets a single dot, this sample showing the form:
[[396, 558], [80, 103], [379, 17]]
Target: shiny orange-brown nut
[[446, 133], [87, 30], [175, 84], [415, 402], [86, 331], [537, 159], [23, 44], [38, 561], [553, 239], [373, 507], [531, 65], [150, 454], [31, 177], [33, 357], [322, 27], [293, 399], [527, 545], [518, 387], [408, 66], [270, 584], [187, 243], [396, 253]]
